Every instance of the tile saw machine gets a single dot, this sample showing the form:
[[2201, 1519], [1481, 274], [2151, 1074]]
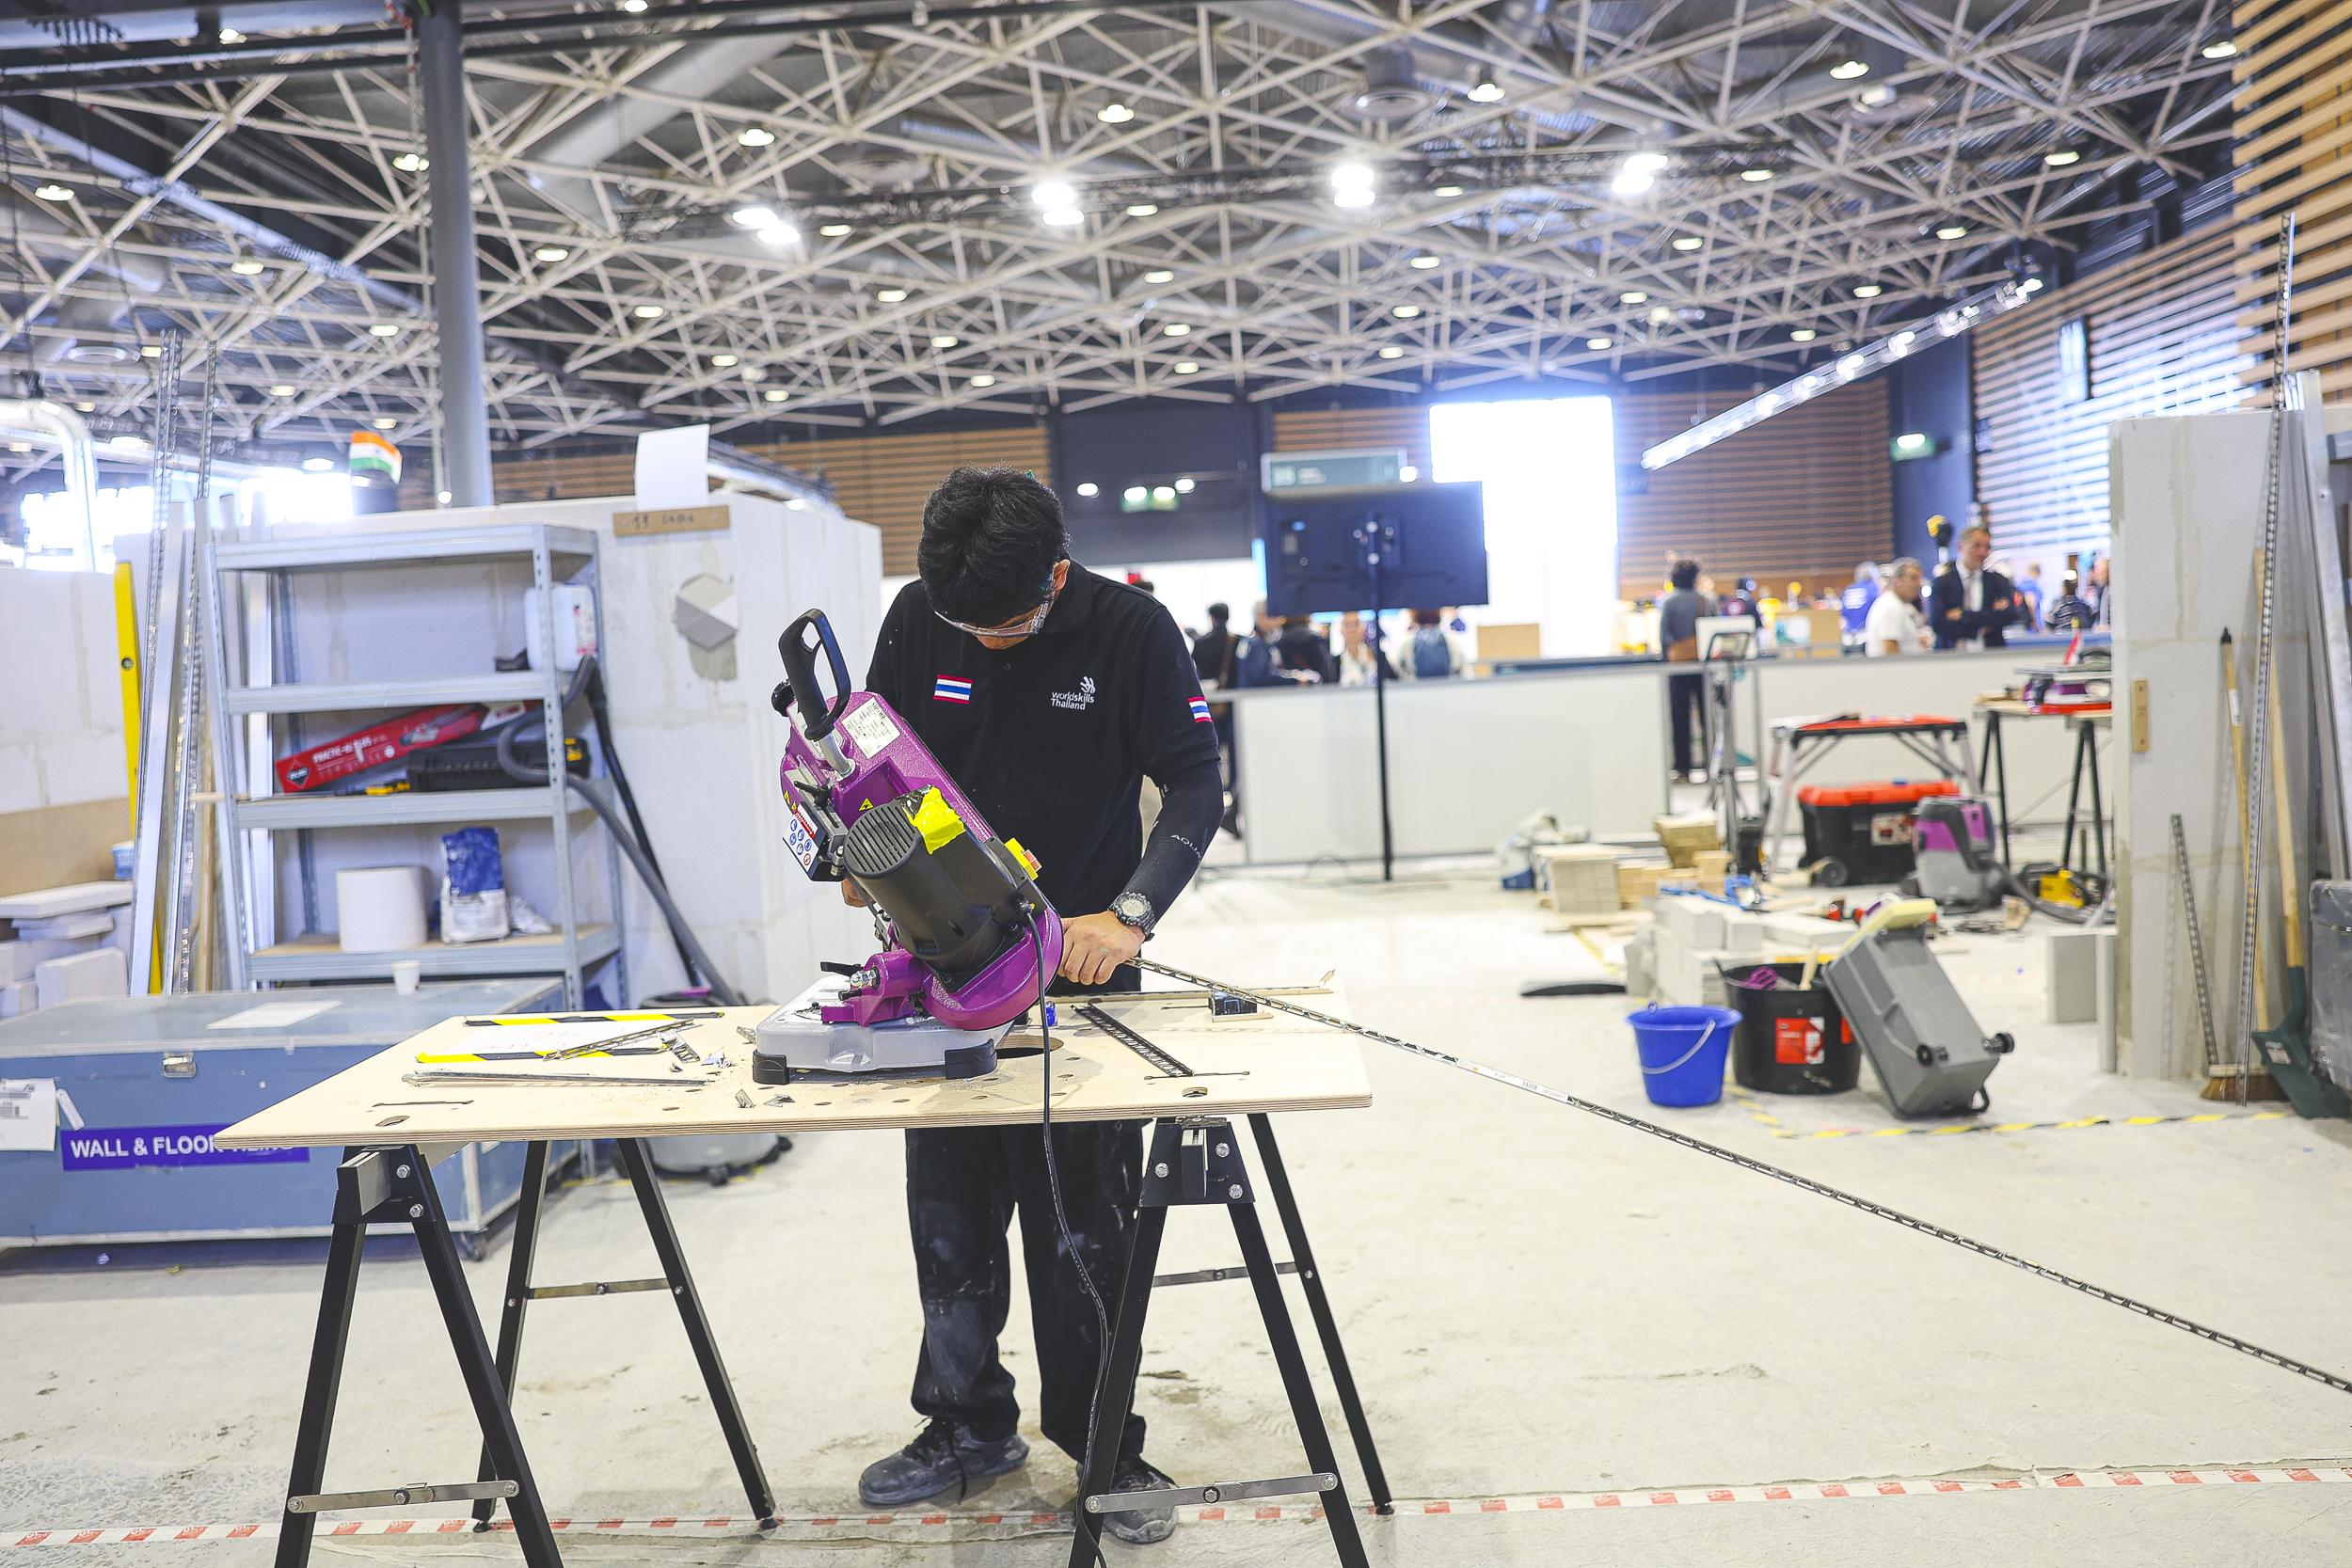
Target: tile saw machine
[[966, 936]]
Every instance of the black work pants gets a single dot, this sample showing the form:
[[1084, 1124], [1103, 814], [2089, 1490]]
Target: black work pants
[[963, 1186], [1686, 700]]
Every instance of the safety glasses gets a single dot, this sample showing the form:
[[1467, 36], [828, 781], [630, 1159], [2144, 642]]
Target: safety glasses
[[1023, 628]]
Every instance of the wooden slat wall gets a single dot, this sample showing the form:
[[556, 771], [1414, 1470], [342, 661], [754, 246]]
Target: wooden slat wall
[[1800, 500], [2295, 129], [884, 479], [2161, 342], [1353, 430]]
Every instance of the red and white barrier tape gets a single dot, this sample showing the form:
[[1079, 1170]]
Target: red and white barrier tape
[[943, 1526]]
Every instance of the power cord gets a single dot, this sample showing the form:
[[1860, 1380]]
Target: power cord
[[1062, 1219]]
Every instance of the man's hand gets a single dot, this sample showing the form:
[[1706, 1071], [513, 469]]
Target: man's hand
[[853, 894], [1093, 945], [1954, 614]]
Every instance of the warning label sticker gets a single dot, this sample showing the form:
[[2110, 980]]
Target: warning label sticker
[[870, 725], [1797, 1041], [123, 1147]]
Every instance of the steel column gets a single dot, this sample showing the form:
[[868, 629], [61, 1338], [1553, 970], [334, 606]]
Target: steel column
[[456, 269]]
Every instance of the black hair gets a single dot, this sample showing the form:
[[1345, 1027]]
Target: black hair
[[1427, 617], [1220, 613], [991, 539], [1685, 573]]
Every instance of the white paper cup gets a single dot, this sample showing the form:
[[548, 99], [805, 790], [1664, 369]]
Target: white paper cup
[[405, 974]]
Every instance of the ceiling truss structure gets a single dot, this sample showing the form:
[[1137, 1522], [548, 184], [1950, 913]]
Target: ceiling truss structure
[[1209, 261]]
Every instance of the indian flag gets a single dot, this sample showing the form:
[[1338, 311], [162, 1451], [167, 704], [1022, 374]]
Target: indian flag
[[372, 454]]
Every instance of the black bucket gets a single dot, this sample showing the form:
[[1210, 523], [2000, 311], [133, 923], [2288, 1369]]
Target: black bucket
[[1790, 1041]]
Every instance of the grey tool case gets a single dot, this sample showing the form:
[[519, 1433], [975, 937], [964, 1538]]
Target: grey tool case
[[1922, 1041]]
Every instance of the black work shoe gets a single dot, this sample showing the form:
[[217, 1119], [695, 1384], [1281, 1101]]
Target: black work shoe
[[1139, 1527], [946, 1456]]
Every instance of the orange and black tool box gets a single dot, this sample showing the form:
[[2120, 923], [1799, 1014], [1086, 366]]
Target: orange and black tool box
[[1861, 832]]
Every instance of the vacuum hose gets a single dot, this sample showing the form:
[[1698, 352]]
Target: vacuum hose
[[726, 995]]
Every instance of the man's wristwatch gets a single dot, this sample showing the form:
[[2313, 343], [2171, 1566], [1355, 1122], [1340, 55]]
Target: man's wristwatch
[[1133, 909]]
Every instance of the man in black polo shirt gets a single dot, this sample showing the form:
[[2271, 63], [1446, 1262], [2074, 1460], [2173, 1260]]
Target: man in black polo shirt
[[1049, 694]]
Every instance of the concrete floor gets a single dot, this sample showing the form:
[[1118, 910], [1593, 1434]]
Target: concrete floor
[[1535, 1302]]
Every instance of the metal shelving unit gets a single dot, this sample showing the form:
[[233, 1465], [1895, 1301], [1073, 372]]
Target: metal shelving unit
[[557, 555]]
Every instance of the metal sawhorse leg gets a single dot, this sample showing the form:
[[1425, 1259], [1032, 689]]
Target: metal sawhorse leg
[[520, 1294], [1197, 1161]]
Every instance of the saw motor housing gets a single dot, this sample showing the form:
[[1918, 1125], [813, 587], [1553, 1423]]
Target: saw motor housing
[[966, 928]]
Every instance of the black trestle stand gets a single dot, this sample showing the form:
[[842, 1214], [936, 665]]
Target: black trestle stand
[[394, 1184], [1197, 1161]]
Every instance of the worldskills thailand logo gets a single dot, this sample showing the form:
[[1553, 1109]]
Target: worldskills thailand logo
[[1080, 699]]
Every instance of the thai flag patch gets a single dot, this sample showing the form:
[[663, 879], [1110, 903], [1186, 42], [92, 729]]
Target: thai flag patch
[[951, 688], [1200, 710]]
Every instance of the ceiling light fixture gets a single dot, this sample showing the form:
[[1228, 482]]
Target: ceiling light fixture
[[1050, 193], [85, 409], [1392, 352], [1487, 91], [2220, 51], [1425, 263], [891, 296], [1089, 491], [1160, 276], [754, 374], [778, 235], [230, 34], [1114, 114], [1688, 242], [1638, 174], [754, 135], [983, 381], [1802, 335], [1756, 176], [649, 312], [412, 163], [2058, 157], [634, 8], [156, 351], [54, 191], [1351, 186], [384, 329], [725, 361], [1405, 313], [776, 394], [1142, 209], [281, 390], [753, 217], [550, 253], [834, 230], [318, 465], [1185, 486], [944, 340], [1659, 315], [1062, 218], [246, 268], [1868, 290], [1849, 70], [1188, 366], [1633, 296], [1447, 190], [1952, 231], [1596, 345], [387, 425], [1176, 329]]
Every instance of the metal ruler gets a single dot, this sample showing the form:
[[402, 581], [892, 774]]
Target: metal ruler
[[1168, 1066]]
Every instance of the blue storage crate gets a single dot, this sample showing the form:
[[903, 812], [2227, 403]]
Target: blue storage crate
[[154, 1077]]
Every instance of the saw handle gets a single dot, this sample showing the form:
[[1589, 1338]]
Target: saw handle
[[817, 717]]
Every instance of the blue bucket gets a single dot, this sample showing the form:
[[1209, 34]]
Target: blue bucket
[[1682, 1051]]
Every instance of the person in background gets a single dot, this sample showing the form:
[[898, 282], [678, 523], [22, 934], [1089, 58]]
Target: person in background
[[2069, 612], [2029, 598], [1970, 604], [1303, 647], [1894, 625], [2102, 613], [1213, 650], [1360, 662], [1679, 615], [1854, 605], [1431, 653], [1740, 601]]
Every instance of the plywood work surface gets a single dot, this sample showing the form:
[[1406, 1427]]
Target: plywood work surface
[[1283, 1064]]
